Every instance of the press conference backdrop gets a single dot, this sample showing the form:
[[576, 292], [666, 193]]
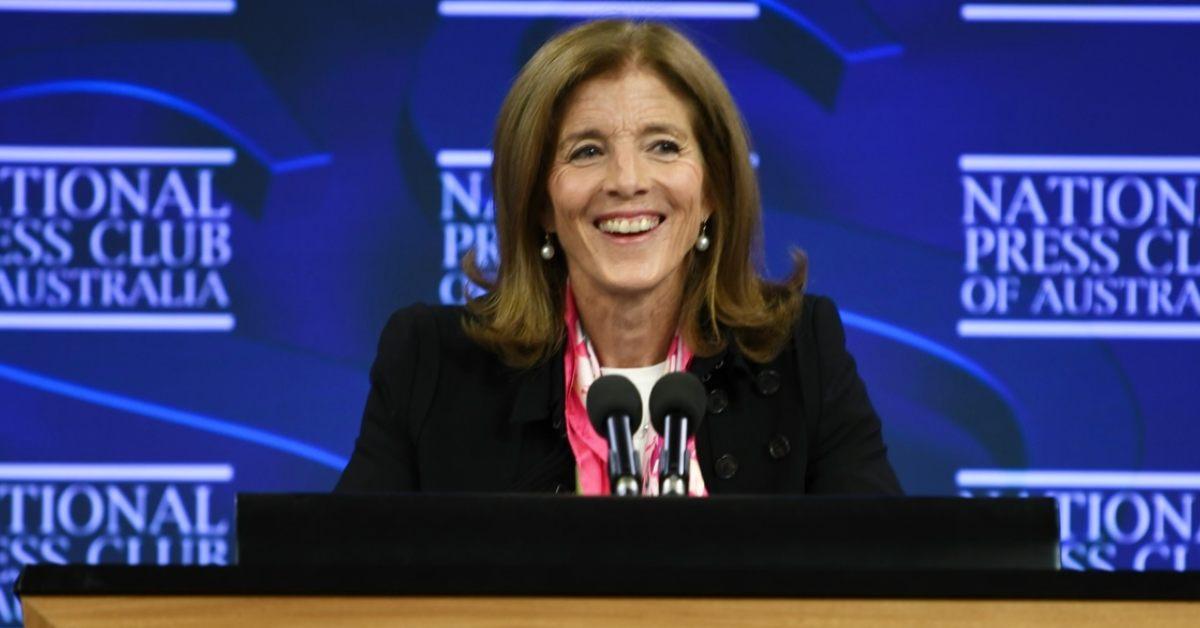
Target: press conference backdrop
[[208, 209]]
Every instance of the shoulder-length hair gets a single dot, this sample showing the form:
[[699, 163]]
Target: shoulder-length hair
[[521, 315]]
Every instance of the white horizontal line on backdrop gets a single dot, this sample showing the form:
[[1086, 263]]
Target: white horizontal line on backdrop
[[70, 472], [976, 328], [1005, 478], [105, 321], [1164, 164], [1111, 13], [536, 8], [175, 156], [121, 6]]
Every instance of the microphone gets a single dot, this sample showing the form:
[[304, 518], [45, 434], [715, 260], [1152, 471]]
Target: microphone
[[677, 405], [615, 409]]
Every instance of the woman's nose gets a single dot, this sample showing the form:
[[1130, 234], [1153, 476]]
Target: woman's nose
[[627, 176]]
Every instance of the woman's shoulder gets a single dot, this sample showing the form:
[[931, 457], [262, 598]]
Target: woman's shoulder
[[818, 317], [820, 340], [425, 322], [430, 330], [819, 335], [424, 315]]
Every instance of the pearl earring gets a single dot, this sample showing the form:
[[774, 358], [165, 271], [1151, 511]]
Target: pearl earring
[[547, 248], [702, 242]]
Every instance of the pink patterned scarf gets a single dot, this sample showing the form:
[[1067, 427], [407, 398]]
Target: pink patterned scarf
[[581, 368]]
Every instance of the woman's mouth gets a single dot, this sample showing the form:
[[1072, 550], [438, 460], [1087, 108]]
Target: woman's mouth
[[632, 225]]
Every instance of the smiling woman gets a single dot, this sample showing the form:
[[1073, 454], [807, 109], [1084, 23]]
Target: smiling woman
[[626, 202], [631, 115], [628, 222]]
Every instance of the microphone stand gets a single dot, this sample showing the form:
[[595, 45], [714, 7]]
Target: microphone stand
[[673, 475]]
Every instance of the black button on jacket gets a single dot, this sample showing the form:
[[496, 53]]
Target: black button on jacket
[[446, 415]]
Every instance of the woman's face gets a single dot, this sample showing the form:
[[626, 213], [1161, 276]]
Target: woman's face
[[626, 187]]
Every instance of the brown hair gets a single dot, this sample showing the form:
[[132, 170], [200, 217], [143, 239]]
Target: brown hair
[[521, 315]]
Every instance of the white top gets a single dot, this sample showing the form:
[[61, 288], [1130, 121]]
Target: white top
[[644, 378]]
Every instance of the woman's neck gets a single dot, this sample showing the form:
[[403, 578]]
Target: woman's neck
[[630, 330]]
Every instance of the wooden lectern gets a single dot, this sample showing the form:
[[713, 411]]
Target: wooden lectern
[[308, 560]]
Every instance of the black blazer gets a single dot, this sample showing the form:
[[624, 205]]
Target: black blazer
[[446, 415]]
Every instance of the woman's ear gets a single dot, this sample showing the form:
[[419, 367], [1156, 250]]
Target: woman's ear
[[547, 219]]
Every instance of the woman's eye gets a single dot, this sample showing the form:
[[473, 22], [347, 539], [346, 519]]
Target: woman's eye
[[585, 152], [665, 147]]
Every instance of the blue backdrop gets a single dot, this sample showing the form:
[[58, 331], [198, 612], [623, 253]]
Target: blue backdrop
[[209, 208]]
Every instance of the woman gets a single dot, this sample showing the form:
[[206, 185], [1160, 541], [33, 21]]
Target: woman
[[627, 216]]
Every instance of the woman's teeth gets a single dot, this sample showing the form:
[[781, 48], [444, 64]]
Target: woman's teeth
[[640, 224]]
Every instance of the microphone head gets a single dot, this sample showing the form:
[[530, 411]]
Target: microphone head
[[612, 395], [678, 394]]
